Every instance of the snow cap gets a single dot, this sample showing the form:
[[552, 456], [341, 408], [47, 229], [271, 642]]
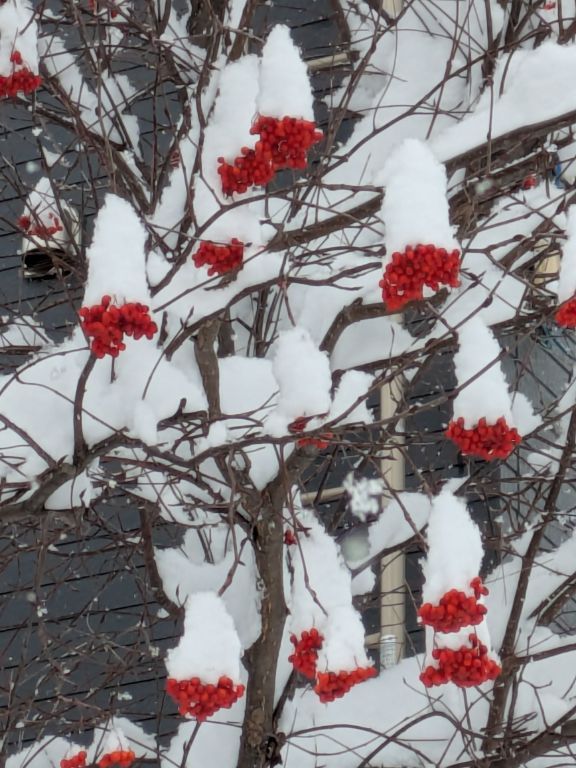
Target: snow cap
[[415, 208], [455, 549], [483, 387], [303, 375], [19, 33], [209, 647], [284, 83], [116, 258]]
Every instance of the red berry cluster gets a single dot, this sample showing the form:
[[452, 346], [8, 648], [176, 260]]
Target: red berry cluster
[[466, 667], [248, 170], [529, 182], [289, 537], [305, 653], [321, 443], [93, 6], [486, 441], [39, 229], [333, 685], [283, 143], [121, 757], [409, 271], [203, 700], [221, 258], [76, 761], [566, 314], [455, 609], [108, 324], [21, 80]]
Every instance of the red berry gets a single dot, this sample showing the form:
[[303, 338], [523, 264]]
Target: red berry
[[409, 272], [220, 258], [486, 441], [108, 324], [305, 653], [566, 314], [333, 685], [455, 609], [202, 700]]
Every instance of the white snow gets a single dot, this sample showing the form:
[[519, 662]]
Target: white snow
[[454, 548], [284, 85], [116, 260], [303, 375], [415, 207], [482, 387], [19, 33], [209, 646]]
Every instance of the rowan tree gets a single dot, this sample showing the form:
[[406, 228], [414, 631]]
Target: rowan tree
[[254, 252]]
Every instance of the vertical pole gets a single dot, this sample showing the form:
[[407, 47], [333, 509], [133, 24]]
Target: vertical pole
[[392, 575]]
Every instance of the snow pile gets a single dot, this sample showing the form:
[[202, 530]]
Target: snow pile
[[209, 647], [415, 208], [303, 375], [482, 388], [120, 735], [19, 33], [116, 258], [184, 571], [455, 548], [321, 598], [284, 82]]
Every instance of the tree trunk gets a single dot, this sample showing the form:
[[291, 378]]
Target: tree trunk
[[258, 738]]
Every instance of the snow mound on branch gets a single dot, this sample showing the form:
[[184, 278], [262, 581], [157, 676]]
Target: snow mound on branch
[[303, 375], [116, 258], [523, 94], [454, 548], [567, 277], [228, 129], [349, 404], [343, 647], [415, 208], [183, 573], [46, 752], [401, 519], [119, 733], [209, 647], [483, 391], [19, 32], [284, 83]]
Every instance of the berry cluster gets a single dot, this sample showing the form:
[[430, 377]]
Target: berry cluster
[[455, 610], [202, 700], [486, 441], [321, 443], [529, 182], [38, 229], [333, 685], [108, 324], [566, 314], [289, 537], [21, 80], [305, 653], [466, 667], [121, 757], [283, 143], [248, 170], [221, 258], [93, 6], [76, 761], [409, 271]]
